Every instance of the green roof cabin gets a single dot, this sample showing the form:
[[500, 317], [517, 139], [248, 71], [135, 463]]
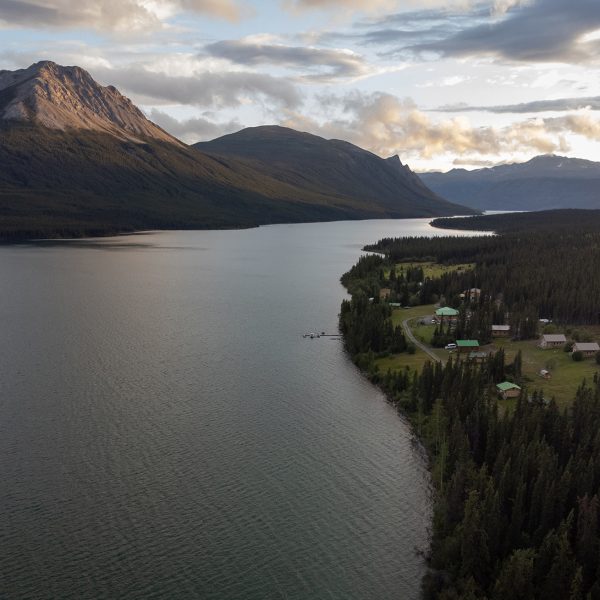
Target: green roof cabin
[[508, 390], [446, 311], [467, 345]]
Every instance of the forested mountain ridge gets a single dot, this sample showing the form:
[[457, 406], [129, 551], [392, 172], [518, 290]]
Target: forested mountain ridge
[[544, 182], [78, 159], [332, 167], [548, 221]]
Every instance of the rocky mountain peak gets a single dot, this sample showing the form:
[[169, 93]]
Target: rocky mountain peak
[[410, 175], [64, 98]]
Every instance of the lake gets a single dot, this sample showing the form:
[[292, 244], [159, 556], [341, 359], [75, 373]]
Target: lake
[[167, 432]]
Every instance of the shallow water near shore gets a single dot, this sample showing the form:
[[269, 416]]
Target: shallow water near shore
[[167, 432]]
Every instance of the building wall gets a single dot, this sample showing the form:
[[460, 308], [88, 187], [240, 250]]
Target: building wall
[[552, 344]]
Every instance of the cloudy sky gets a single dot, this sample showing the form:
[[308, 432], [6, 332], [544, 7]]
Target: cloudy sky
[[442, 83]]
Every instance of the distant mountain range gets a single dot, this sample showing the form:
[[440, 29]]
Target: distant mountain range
[[544, 182], [77, 158]]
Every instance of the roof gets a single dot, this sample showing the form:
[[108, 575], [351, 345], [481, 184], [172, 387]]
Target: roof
[[586, 347], [467, 343], [500, 327], [446, 311], [477, 354], [554, 337], [507, 385]]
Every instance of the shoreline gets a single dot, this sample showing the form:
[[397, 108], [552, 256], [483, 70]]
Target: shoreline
[[501, 527], [418, 441], [31, 237]]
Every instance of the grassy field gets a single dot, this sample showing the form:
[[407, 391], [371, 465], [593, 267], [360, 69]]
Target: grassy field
[[567, 374], [434, 270], [422, 332], [397, 362], [400, 314]]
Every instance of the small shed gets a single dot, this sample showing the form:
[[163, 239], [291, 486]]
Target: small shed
[[500, 331], [545, 374], [467, 346], [586, 348], [552, 340], [477, 357], [506, 389], [473, 294]]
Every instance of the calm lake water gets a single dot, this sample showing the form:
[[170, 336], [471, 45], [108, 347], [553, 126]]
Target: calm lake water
[[166, 432]]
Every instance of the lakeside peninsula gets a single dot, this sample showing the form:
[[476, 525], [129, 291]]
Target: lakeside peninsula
[[511, 428]]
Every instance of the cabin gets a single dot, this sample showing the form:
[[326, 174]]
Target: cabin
[[467, 346], [552, 340], [384, 293], [506, 389], [586, 348], [446, 313], [473, 294], [500, 331], [477, 357]]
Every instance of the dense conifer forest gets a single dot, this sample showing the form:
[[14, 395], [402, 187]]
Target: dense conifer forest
[[544, 220], [517, 489], [549, 271]]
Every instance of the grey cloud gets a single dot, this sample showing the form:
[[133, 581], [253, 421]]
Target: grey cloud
[[195, 129], [540, 31], [26, 13], [389, 35], [558, 105], [337, 63], [206, 89], [103, 15], [430, 16], [386, 36], [109, 15], [377, 6], [346, 4], [411, 27]]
